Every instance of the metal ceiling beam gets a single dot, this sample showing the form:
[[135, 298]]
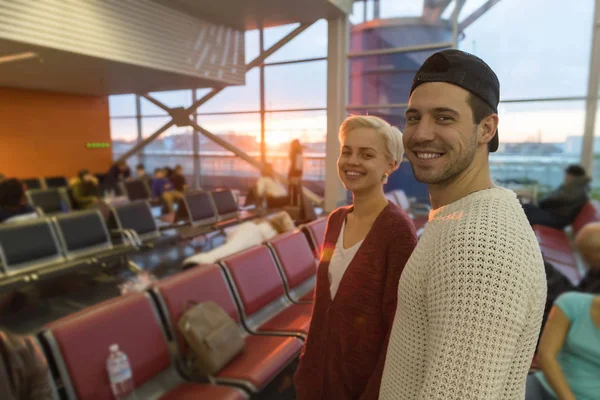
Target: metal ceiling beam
[[398, 50], [477, 14], [257, 61]]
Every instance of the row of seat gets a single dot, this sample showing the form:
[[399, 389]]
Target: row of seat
[[43, 248], [266, 289], [555, 244], [32, 249], [41, 183]]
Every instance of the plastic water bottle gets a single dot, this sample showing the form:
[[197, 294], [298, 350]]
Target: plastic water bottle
[[119, 373]]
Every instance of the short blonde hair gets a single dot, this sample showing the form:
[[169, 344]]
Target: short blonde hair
[[392, 137]]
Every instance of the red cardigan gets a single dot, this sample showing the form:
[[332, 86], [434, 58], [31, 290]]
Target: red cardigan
[[344, 354]]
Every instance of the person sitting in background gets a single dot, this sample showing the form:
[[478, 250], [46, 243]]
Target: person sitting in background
[[244, 236], [23, 369], [85, 190], [569, 351], [117, 173], [587, 243], [178, 179], [12, 201], [560, 207], [269, 189], [163, 188]]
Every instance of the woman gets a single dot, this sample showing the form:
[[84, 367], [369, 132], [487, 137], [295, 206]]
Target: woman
[[295, 172], [569, 351], [365, 249]]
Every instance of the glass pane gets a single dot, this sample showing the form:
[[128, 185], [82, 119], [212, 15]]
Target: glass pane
[[538, 48], [236, 98], [537, 141], [276, 33], [395, 8], [357, 16], [310, 127], [241, 130], [309, 44], [252, 41], [384, 79], [123, 132], [470, 7], [172, 99], [174, 140], [292, 86], [122, 105], [156, 160]]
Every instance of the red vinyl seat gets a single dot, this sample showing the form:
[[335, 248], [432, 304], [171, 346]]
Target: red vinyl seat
[[298, 265], [563, 257], [590, 212], [261, 294], [79, 344], [263, 357], [315, 231]]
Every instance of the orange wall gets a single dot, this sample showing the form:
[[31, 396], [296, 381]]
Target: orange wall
[[45, 134]]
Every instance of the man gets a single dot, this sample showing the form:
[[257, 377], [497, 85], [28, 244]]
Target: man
[[471, 297], [163, 188], [560, 207], [85, 190]]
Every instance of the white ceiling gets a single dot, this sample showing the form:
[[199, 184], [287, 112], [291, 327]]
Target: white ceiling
[[248, 14], [67, 72]]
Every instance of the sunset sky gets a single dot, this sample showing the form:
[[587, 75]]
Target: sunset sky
[[538, 48]]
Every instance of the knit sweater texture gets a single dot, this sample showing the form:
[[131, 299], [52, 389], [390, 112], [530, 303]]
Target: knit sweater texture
[[344, 354], [470, 305]]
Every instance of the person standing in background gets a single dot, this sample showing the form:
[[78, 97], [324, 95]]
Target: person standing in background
[[472, 295], [117, 173], [295, 173], [365, 248]]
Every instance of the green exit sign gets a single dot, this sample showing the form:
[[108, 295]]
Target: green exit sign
[[97, 145]]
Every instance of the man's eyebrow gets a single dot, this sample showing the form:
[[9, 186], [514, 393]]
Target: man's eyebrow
[[445, 109], [411, 110]]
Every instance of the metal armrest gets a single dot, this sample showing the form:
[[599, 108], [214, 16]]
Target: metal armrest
[[130, 236]]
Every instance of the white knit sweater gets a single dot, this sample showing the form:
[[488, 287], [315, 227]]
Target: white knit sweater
[[470, 305]]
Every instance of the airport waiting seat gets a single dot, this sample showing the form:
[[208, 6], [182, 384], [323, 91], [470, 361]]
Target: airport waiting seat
[[297, 264], [315, 232], [418, 213], [83, 234], [79, 347], [262, 359], [32, 183], [590, 212], [28, 245], [56, 182], [198, 214], [49, 201], [136, 189], [226, 204], [260, 293]]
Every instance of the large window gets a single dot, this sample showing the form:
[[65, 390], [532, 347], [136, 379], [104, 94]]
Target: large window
[[299, 84]]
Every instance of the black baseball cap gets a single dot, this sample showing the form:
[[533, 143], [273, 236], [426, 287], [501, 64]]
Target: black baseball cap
[[466, 71]]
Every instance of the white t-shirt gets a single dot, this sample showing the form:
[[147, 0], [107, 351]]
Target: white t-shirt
[[339, 262], [268, 186]]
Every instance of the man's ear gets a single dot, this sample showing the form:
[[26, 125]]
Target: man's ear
[[487, 129]]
